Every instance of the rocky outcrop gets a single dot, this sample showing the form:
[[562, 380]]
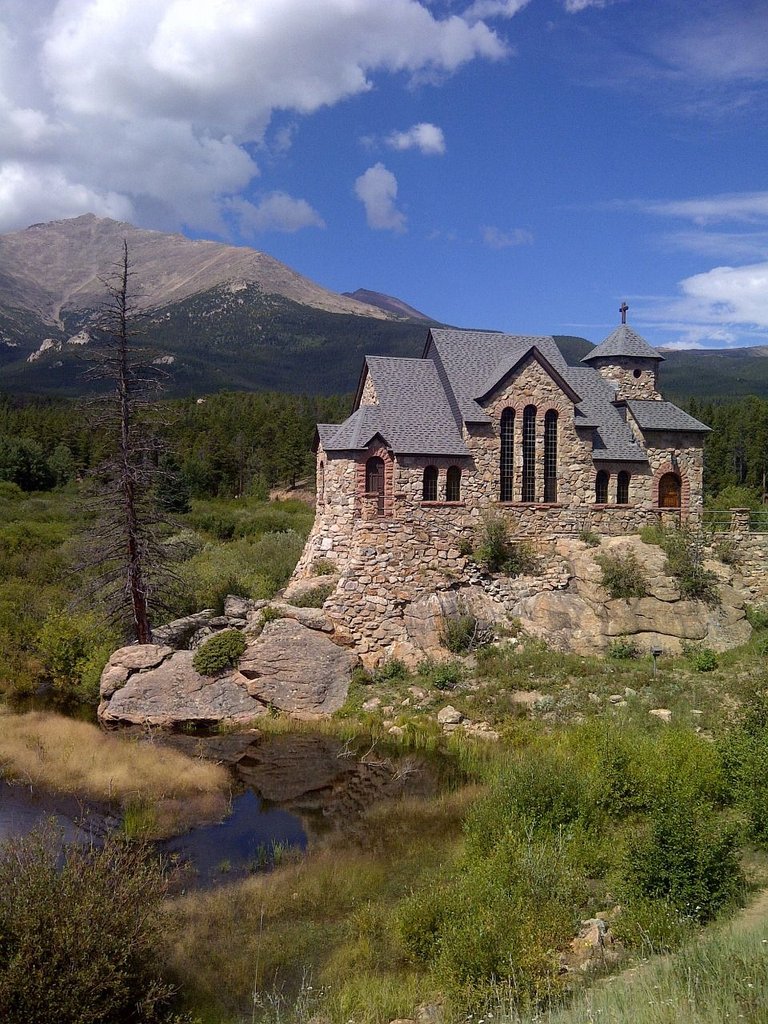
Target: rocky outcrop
[[287, 667]]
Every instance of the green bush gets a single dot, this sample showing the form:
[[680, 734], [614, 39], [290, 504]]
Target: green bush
[[744, 750], [314, 598], [624, 648], [80, 933], [393, 668], [757, 616], [623, 575], [702, 659], [223, 650], [73, 650], [442, 675], [494, 551], [590, 538], [685, 551], [324, 567], [727, 550]]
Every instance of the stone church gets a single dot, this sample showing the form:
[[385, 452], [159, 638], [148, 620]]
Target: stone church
[[496, 422]]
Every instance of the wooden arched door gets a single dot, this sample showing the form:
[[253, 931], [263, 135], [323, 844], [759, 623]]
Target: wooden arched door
[[374, 481], [670, 490]]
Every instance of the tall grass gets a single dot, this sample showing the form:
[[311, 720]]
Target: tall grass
[[67, 756]]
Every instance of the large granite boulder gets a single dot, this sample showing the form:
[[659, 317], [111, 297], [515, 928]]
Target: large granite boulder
[[296, 669], [288, 667]]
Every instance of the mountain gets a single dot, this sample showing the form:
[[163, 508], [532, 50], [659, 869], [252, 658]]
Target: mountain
[[218, 316], [388, 303], [709, 373]]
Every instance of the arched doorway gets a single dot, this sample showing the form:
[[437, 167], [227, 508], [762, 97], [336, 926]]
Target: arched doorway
[[374, 481], [670, 491]]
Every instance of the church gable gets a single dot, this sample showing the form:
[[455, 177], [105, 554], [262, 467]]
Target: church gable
[[531, 380]]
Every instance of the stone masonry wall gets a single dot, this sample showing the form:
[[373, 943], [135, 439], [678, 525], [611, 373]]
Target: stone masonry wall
[[621, 371]]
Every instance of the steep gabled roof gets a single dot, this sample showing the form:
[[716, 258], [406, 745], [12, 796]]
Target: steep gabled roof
[[623, 342], [475, 361], [413, 415], [650, 415]]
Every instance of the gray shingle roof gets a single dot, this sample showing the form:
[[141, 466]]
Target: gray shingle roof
[[613, 438], [424, 403], [623, 342], [475, 360], [413, 416], [651, 415]]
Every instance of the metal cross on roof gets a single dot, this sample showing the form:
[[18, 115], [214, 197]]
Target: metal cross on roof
[[623, 310]]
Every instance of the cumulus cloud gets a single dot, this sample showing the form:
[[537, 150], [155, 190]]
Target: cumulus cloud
[[427, 138], [377, 191], [275, 212], [495, 238], [155, 106], [495, 9]]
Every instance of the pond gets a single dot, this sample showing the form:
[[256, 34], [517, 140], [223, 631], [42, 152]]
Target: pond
[[289, 790]]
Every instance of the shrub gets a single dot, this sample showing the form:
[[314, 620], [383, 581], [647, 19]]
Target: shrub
[[324, 567], [393, 668], [442, 675], [464, 632], [727, 550], [314, 598], [590, 538], [685, 551], [623, 575], [744, 751], [80, 935], [496, 553], [757, 616], [270, 614], [73, 650], [687, 858], [702, 659], [623, 648], [219, 652]]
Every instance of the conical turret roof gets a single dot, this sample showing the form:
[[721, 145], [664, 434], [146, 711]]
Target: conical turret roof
[[623, 342]]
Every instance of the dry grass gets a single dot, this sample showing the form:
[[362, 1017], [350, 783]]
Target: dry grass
[[65, 756]]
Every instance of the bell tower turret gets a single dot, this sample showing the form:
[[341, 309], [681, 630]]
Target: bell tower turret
[[628, 362]]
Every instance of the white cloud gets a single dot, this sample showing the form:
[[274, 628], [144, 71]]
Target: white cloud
[[377, 191], [427, 138], [576, 6], [495, 238], [748, 207], [495, 9], [152, 105], [275, 212], [730, 294]]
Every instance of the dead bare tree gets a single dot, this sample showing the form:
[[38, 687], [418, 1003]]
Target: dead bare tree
[[124, 558]]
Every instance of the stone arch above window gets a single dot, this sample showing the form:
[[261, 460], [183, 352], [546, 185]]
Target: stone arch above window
[[453, 484], [601, 487], [550, 456], [429, 484], [507, 456], [622, 488], [528, 490]]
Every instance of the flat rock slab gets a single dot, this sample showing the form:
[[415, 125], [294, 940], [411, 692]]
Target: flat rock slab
[[174, 692], [297, 670]]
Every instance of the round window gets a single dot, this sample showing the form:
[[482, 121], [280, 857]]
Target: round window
[[636, 374]]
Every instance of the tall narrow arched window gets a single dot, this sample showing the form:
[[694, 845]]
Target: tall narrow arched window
[[550, 456], [622, 488], [601, 487], [506, 458], [374, 481], [429, 488], [321, 482], [528, 490], [453, 484]]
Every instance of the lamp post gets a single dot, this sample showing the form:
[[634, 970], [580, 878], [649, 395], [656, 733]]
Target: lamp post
[[656, 652]]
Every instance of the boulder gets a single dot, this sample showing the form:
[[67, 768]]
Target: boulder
[[173, 692], [140, 656], [449, 716], [176, 634], [297, 670]]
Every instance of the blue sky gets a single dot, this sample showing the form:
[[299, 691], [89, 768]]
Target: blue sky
[[515, 164]]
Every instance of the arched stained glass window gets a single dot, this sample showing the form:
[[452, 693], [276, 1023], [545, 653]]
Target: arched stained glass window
[[506, 457], [622, 488], [528, 491], [601, 487], [374, 481], [550, 456], [429, 489], [453, 484]]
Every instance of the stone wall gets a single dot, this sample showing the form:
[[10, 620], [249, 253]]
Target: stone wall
[[621, 371]]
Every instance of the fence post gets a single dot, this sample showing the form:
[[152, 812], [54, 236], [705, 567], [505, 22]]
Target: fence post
[[740, 520]]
